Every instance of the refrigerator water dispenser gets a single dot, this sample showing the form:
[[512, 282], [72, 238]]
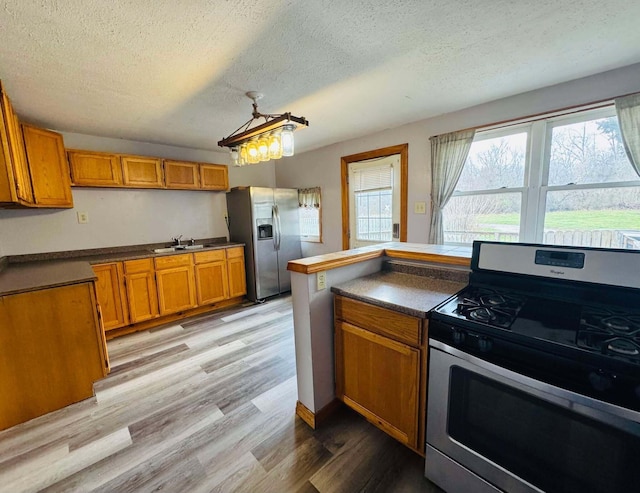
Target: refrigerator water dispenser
[[265, 231]]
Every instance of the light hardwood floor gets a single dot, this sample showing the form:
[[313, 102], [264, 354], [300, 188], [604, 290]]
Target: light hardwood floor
[[204, 406]]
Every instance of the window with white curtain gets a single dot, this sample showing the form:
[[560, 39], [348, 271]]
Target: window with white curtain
[[310, 203], [563, 180]]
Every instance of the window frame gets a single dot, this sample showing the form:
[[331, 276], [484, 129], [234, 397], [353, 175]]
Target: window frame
[[536, 186], [313, 238]]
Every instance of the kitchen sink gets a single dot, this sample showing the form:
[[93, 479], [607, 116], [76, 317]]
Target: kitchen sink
[[177, 248]]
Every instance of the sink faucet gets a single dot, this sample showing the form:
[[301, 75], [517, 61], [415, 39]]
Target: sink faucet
[[177, 240]]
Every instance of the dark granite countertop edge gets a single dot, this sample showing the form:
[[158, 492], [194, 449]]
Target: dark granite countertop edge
[[382, 304], [118, 252], [49, 270]]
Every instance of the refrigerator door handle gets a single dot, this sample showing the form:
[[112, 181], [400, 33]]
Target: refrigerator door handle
[[277, 227]]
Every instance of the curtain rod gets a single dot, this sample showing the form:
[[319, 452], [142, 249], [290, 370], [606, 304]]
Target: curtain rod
[[567, 110]]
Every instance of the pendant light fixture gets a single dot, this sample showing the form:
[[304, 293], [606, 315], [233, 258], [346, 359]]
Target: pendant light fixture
[[272, 139]]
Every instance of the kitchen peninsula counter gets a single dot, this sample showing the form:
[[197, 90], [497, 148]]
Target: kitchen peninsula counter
[[411, 294], [362, 274]]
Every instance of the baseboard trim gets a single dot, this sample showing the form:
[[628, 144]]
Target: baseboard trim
[[156, 322], [316, 419]]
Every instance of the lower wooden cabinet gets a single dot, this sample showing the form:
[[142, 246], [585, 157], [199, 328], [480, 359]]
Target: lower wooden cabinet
[[237, 274], [380, 364], [112, 296], [175, 282], [50, 356], [141, 290], [211, 276], [145, 289]]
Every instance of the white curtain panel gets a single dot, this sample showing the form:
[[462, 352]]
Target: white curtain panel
[[448, 155], [309, 197], [628, 111]]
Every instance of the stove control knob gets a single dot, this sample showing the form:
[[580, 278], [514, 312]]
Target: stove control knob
[[457, 335], [600, 381], [484, 344]]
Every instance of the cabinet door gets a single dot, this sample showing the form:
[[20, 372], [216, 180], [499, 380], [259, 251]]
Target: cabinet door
[[181, 175], [48, 166], [142, 172], [141, 290], [51, 351], [176, 289], [15, 158], [211, 282], [214, 177], [378, 377], [237, 275], [111, 294], [95, 169]]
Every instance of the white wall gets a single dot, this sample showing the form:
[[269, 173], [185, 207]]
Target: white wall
[[322, 167], [120, 217]]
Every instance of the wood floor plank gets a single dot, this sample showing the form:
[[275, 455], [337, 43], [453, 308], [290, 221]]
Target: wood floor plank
[[204, 406]]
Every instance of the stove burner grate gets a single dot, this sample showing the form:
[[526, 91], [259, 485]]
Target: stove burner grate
[[610, 331]]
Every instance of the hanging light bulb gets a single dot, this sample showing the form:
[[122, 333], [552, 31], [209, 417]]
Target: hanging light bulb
[[243, 155], [263, 147], [286, 137], [234, 156], [252, 152], [275, 145]]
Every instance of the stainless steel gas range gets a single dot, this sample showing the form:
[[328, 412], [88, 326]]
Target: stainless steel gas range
[[534, 373]]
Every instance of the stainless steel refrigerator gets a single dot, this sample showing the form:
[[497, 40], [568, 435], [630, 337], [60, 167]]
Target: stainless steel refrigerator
[[266, 221]]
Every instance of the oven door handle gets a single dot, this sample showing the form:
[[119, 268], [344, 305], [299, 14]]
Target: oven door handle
[[619, 417]]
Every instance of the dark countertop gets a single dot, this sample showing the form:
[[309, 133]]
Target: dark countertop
[[40, 271], [29, 276], [412, 294]]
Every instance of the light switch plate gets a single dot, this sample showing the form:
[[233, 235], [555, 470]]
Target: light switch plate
[[420, 207], [321, 280], [83, 217]]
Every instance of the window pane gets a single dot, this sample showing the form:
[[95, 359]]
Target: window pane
[[588, 152], [494, 217], [374, 215], [606, 217], [494, 163], [310, 223]]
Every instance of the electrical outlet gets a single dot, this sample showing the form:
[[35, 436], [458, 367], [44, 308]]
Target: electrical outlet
[[321, 279], [420, 207], [83, 217]]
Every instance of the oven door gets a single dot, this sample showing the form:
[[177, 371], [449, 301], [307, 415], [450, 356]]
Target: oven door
[[490, 429]]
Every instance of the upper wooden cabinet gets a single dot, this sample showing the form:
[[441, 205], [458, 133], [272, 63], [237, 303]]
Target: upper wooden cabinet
[[103, 169], [181, 175], [214, 177], [15, 180], [33, 166], [142, 172], [94, 169], [48, 167]]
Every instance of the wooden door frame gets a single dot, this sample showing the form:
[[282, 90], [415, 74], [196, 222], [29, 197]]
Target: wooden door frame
[[403, 150]]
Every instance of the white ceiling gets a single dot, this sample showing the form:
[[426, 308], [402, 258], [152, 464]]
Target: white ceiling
[[175, 72]]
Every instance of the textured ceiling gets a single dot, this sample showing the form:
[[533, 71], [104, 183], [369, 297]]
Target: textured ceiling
[[175, 72]]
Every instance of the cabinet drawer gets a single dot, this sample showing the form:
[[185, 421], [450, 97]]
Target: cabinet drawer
[[140, 265], [235, 252], [211, 256], [173, 261], [392, 324]]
